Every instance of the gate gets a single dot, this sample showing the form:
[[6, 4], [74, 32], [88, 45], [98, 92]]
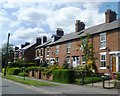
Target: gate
[[109, 83]]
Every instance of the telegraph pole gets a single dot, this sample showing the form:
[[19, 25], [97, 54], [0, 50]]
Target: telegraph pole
[[6, 63]]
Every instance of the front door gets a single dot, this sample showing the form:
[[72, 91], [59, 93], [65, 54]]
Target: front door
[[113, 64]]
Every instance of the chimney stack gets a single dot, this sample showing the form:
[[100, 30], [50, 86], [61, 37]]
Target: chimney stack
[[16, 48], [38, 40], [44, 39], [59, 32], [22, 45], [27, 43], [110, 16], [79, 26]]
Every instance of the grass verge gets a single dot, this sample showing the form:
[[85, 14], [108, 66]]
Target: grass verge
[[28, 81]]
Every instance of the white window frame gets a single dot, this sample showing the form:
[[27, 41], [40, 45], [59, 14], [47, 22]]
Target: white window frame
[[48, 51], [103, 67], [68, 47], [83, 62], [78, 60], [68, 60], [41, 52], [57, 49], [56, 59], [102, 41]]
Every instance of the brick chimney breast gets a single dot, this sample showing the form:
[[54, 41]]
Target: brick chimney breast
[[110, 16], [79, 26], [59, 32]]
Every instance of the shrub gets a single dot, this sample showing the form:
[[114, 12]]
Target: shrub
[[89, 80], [22, 74], [3, 69], [33, 68], [118, 76], [13, 71], [64, 75]]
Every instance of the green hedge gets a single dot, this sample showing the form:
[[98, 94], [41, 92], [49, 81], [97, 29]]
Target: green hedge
[[36, 68], [20, 64], [3, 69], [64, 75], [89, 80], [22, 74], [13, 71], [118, 76]]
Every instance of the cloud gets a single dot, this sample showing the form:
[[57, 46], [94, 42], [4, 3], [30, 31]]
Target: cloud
[[28, 33], [32, 18], [33, 15], [66, 17]]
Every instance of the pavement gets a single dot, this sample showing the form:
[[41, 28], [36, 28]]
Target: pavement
[[108, 83], [72, 88]]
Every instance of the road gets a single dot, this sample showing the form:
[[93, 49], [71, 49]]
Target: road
[[11, 87]]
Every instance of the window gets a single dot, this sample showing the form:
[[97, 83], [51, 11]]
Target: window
[[37, 53], [48, 51], [102, 40], [57, 49], [103, 60], [41, 52], [57, 60], [83, 59], [68, 59], [78, 60], [68, 47], [75, 61]]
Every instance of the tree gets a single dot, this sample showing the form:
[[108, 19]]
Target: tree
[[88, 51], [3, 52]]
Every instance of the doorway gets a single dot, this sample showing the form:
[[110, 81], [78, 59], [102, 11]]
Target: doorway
[[113, 63]]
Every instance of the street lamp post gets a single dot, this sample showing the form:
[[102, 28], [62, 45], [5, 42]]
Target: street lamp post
[[6, 63], [23, 59], [92, 76]]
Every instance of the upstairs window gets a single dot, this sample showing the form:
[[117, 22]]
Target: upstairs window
[[103, 59], [68, 59], [37, 53], [57, 49], [41, 52], [68, 47], [48, 51], [57, 60], [103, 40]]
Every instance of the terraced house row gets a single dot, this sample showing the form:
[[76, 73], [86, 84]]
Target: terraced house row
[[104, 37]]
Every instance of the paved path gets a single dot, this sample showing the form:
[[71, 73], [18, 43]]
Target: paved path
[[72, 89]]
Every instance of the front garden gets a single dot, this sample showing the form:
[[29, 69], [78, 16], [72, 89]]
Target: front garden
[[79, 75]]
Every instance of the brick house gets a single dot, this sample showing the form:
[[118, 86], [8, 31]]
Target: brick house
[[27, 50], [43, 51], [105, 39]]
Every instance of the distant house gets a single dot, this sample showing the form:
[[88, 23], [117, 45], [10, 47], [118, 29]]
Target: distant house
[[27, 51], [42, 51], [105, 38]]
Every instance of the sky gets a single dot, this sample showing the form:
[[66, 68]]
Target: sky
[[26, 21]]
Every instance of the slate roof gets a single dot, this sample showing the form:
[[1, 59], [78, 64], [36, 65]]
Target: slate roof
[[44, 44], [28, 46], [92, 30]]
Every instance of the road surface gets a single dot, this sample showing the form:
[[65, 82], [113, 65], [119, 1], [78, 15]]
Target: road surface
[[11, 87]]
